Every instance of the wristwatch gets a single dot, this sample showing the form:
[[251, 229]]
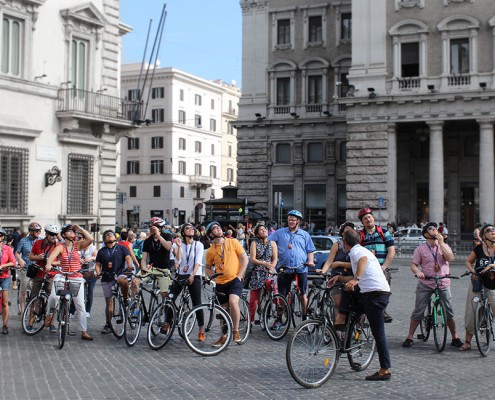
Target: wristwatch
[[357, 278]]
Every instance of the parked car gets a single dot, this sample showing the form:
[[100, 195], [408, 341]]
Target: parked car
[[323, 244], [407, 239]]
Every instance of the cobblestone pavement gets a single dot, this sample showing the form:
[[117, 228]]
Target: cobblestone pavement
[[33, 368]]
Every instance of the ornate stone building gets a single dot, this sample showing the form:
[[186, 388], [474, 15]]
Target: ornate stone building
[[416, 124]]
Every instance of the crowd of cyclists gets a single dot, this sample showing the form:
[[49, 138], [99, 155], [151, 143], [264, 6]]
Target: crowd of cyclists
[[129, 260]]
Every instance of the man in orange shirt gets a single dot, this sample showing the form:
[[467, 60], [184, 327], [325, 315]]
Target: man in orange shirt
[[226, 256]]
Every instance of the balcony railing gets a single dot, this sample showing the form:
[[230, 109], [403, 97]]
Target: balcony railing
[[409, 83], [199, 180], [97, 104], [459, 80], [313, 108]]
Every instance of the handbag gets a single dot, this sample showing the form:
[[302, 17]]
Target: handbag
[[32, 270]]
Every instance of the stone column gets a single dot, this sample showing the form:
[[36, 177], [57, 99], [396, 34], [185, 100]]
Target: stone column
[[436, 189], [487, 174], [392, 172]]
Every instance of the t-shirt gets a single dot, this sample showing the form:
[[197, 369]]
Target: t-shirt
[[225, 257], [158, 255], [7, 255], [41, 247], [374, 243], [116, 255], [373, 278], [482, 260]]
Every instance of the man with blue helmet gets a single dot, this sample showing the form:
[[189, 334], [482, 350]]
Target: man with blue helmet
[[295, 254]]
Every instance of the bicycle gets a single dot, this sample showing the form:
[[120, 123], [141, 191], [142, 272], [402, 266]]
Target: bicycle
[[435, 316], [276, 312], [33, 318], [316, 291], [483, 319], [314, 347], [218, 324], [138, 312]]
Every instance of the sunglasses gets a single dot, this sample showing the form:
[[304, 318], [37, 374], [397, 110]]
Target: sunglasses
[[36, 230], [50, 234], [490, 230]]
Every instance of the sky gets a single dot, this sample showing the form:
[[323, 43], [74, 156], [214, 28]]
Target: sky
[[200, 37]]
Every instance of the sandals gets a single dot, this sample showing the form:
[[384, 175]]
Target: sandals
[[465, 347]]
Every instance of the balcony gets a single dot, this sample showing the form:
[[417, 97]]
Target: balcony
[[199, 181], [459, 80], [76, 104]]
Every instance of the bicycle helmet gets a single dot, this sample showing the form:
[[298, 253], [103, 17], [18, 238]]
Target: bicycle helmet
[[34, 226], [345, 225], [183, 229], [54, 229], [65, 228], [363, 211], [2, 232], [295, 213], [209, 228], [483, 229], [425, 227], [157, 221]]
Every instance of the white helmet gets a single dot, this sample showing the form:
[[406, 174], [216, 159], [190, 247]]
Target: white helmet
[[52, 229]]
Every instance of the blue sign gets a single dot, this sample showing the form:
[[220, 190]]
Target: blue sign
[[281, 203], [380, 202]]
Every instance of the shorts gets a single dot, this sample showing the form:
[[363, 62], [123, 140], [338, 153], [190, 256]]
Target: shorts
[[25, 281], [224, 290], [36, 286], [285, 280], [423, 295], [5, 283], [163, 281]]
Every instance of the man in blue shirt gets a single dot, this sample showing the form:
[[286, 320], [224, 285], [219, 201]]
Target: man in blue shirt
[[295, 254]]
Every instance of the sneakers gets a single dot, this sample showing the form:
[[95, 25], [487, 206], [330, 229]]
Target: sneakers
[[53, 329], [456, 342], [201, 337], [106, 330], [237, 336], [277, 326], [135, 312], [5, 330], [220, 342], [410, 342], [387, 318], [29, 328]]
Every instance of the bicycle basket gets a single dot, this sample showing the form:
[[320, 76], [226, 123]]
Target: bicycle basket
[[73, 288]]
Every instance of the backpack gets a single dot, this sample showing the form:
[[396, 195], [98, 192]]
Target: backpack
[[362, 235], [137, 248]]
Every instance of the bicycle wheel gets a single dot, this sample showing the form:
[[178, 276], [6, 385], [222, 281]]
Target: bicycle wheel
[[312, 353], [360, 343], [439, 325], [276, 317], [313, 309], [425, 324], [63, 322], [117, 322], [296, 308], [133, 323], [244, 321], [217, 330], [482, 330], [161, 326], [33, 319], [186, 307]]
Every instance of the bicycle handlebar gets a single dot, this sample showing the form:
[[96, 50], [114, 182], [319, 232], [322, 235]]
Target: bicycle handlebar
[[448, 276]]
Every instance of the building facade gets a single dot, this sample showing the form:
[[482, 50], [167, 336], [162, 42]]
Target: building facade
[[417, 115], [61, 114], [186, 152]]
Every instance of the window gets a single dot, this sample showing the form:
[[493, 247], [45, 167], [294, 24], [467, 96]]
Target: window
[[182, 192], [283, 31], [213, 125], [156, 191], [182, 144], [410, 59], [182, 167], [198, 192], [182, 117], [459, 56], [132, 167], [80, 185], [133, 94], [229, 150], [230, 129], [197, 169], [315, 152], [157, 142], [212, 149], [213, 171], [197, 147], [133, 144], [197, 100], [212, 104], [14, 180], [283, 91], [158, 93], [346, 26], [181, 95], [132, 191], [12, 45], [197, 121], [315, 90], [344, 87], [79, 63], [343, 151], [283, 153], [156, 167], [315, 29], [230, 175], [158, 115]]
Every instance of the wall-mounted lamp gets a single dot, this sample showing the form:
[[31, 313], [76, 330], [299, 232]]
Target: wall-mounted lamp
[[294, 115], [431, 88], [327, 113], [101, 90], [372, 93], [39, 77], [52, 176], [139, 122], [483, 85], [259, 118]]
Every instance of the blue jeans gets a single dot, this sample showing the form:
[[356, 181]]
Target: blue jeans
[[374, 306]]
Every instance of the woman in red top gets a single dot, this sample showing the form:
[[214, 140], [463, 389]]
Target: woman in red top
[[7, 260], [70, 260]]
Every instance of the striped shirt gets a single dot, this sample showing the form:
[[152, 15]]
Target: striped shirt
[[70, 261], [379, 247]]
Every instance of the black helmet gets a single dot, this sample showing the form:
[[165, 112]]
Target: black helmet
[[345, 225], [209, 228], [65, 228], [425, 227], [483, 229]]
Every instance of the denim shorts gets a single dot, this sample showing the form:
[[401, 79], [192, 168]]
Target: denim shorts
[[5, 283]]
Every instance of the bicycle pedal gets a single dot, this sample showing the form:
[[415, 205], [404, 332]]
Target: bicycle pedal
[[420, 336]]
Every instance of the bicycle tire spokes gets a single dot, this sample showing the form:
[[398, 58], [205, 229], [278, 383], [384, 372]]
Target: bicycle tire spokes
[[483, 328], [33, 318], [439, 325], [277, 317], [133, 322], [360, 344]]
